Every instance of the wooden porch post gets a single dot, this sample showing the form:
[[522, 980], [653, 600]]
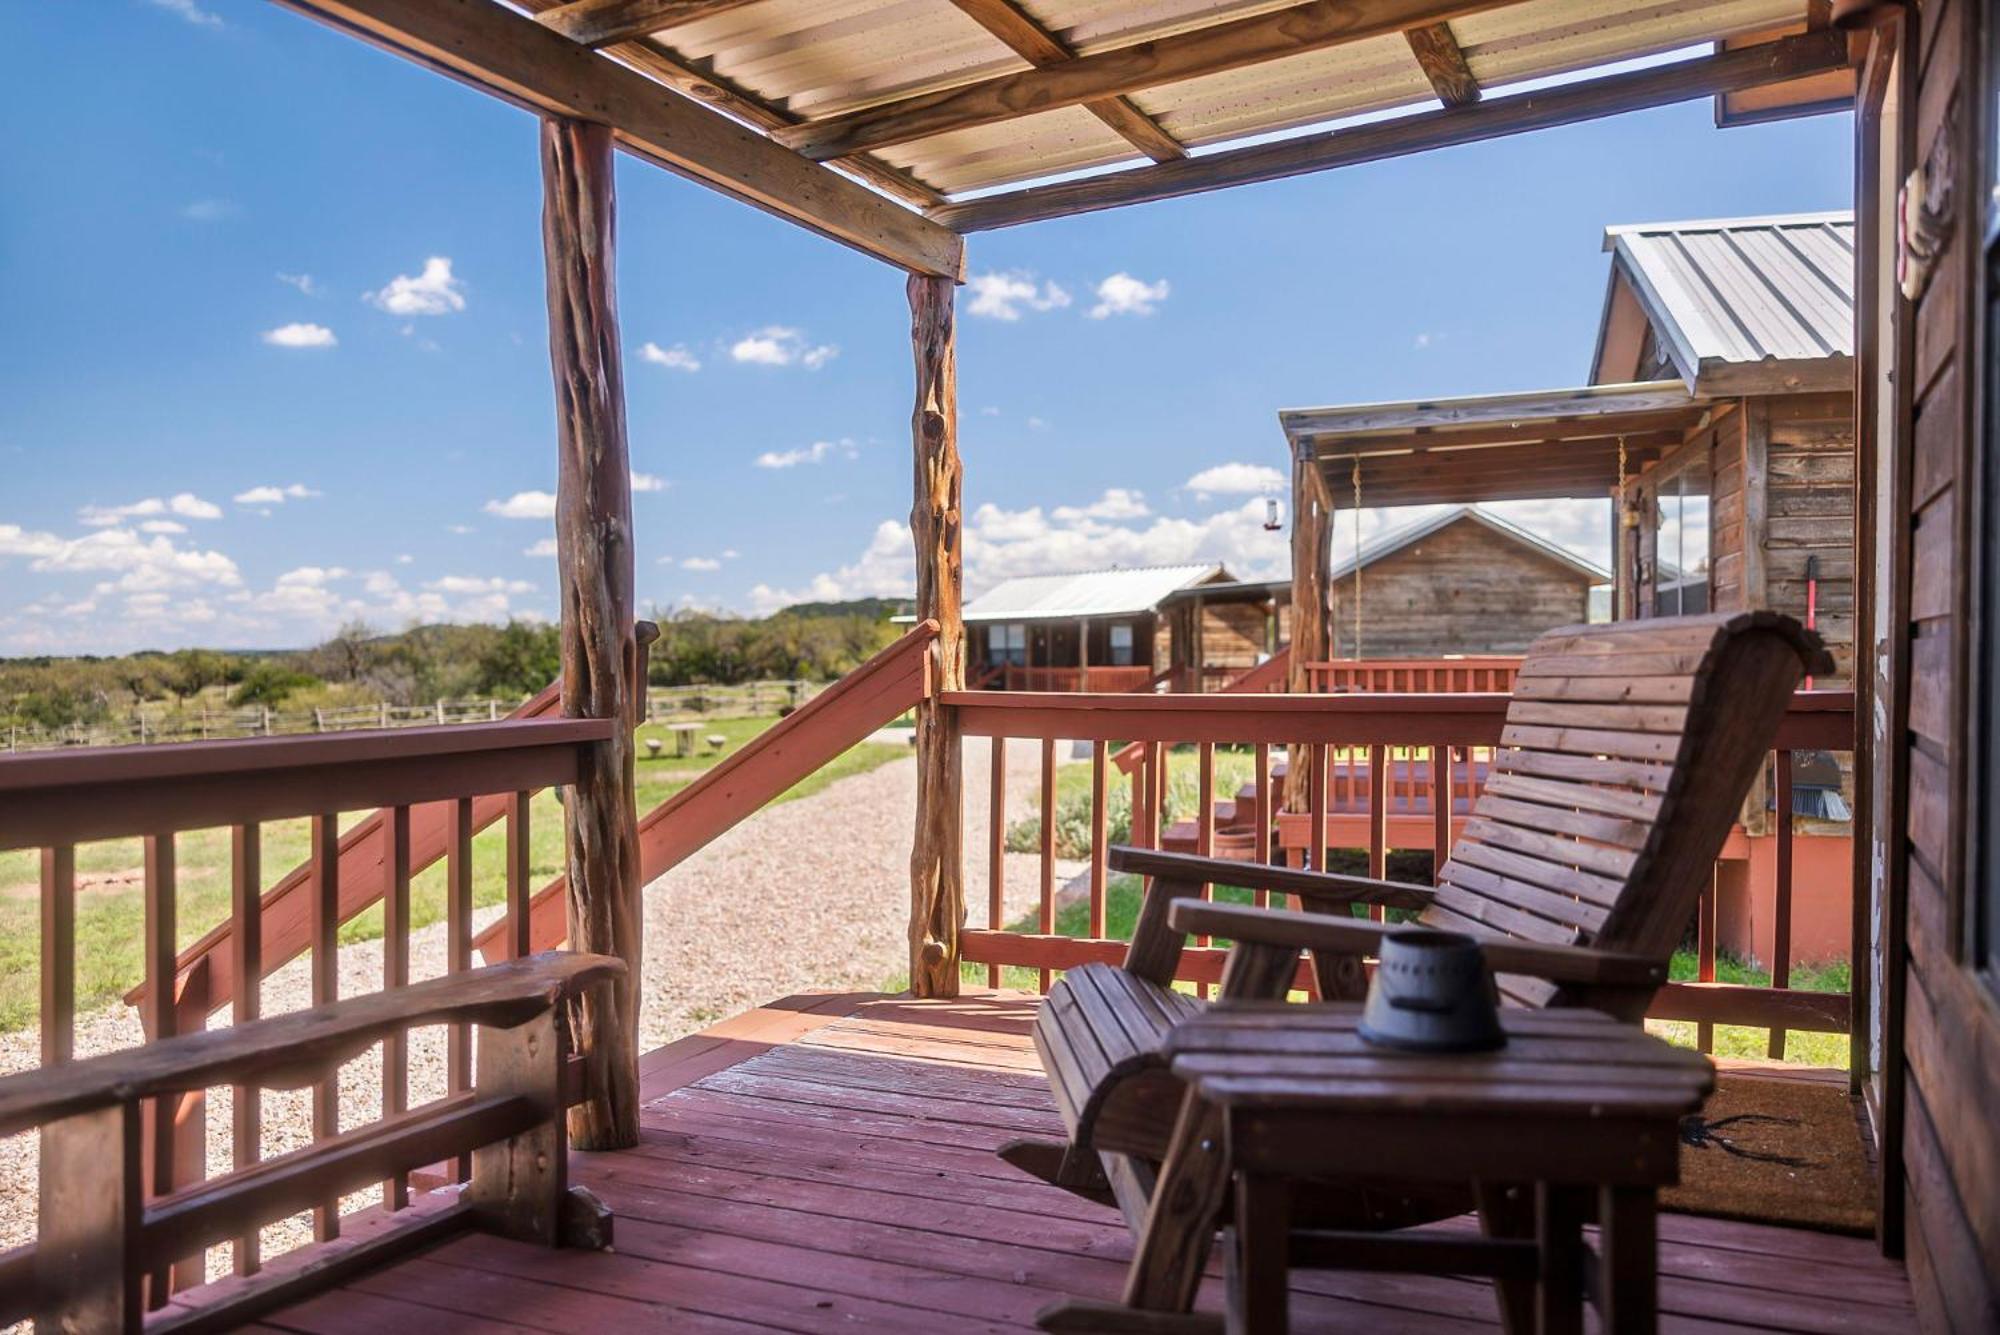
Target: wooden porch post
[[1312, 556], [937, 872], [599, 644]]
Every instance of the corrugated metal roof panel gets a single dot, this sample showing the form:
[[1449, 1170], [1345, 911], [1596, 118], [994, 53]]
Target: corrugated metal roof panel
[[820, 58], [1744, 291], [1087, 593]]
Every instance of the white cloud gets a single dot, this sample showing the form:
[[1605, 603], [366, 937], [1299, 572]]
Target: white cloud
[[524, 505], [816, 453], [1122, 294], [432, 292], [479, 584], [648, 482], [462, 529], [1037, 424], [1115, 503], [887, 568], [302, 281], [676, 358], [781, 345], [209, 210], [141, 564], [1003, 296], [701, 563], [1236, 480], [543, 549], [301, 334], [1424, 340], [268, 495], [163, 526], [189, 10], [185, 504]]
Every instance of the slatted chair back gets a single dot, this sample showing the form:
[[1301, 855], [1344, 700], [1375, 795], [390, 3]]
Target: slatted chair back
[[1626, 754]]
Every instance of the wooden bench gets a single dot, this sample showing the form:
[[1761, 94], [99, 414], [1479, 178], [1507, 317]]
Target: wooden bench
[[1627, 751], [99, 1237]]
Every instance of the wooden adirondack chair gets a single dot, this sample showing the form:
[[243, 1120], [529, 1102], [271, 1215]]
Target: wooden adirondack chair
[[1627, 753]]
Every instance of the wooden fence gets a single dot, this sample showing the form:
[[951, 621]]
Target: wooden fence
[[146, 727]]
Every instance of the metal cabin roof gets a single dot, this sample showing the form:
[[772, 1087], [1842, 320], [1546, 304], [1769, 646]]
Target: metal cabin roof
[[1087, 593], [1396, 539], [1741, 305]]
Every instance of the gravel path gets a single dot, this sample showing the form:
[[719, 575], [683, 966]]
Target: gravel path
[[808, 895]]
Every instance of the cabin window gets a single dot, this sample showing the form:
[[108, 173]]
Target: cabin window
[[1007, 645], [1680, 541], [1121, 644]]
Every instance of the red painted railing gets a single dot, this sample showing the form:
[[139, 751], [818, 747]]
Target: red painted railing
[[1105, 678], [1383, 771], [1491, 672]]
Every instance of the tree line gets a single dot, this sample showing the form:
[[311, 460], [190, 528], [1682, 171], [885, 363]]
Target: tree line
[[360, 665]]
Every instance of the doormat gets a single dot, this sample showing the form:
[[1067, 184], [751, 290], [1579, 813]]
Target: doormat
[[1775, 1151]]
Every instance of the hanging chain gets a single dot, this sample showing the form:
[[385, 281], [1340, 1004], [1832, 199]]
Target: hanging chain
[[1357, 556]]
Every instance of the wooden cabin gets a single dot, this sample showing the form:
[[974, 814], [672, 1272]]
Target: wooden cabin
[[1462, 582], [825, 1162], [1104, 630]]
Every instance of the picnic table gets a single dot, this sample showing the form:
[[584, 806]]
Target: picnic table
[[1576, 1110], [683, 735]]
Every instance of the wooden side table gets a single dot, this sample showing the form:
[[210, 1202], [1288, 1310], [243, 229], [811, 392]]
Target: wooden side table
[[1577, 1111]]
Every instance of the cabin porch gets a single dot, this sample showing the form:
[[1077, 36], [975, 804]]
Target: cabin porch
[[826, 1162]]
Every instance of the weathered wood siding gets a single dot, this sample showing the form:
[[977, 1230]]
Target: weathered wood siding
[[1728, 512], [1463, 590], [1234, 635], [1809, 514], [1951, 1036]]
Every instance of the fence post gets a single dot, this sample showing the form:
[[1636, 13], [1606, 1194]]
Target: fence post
[[440, 711], [267, 720], [492, 711], [384, 713], [319, 719]]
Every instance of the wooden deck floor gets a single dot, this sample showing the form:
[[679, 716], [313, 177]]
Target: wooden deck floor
[[825, 1163]]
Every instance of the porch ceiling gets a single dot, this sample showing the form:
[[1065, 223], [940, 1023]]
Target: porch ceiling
[[934, 105], [1551, 444]]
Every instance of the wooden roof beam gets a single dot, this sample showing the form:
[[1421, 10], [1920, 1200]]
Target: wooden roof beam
[[1126, 69], [1610, 95], [515, 58], [1443, 62], [601, 22], [1037, 45]]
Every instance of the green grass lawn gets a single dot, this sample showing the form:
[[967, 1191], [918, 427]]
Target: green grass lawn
[[1121, 912], [110, 915]]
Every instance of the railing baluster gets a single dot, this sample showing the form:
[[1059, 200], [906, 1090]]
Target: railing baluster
[[1047, 920], [1316, 757], [1378, 820], [518, 889], [1204, 824], [1781, 913], [1704, 936], [326, 990], [458, 947], [1440, 808], [1099, 816], [58, 954], [996, 849], [158, 1016], [246, 959], [396, 975], [1260, 780]]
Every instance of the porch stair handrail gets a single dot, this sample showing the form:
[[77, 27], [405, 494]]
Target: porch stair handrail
[[874, 694]]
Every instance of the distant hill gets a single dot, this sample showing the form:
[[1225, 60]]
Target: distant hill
[[874, 609]]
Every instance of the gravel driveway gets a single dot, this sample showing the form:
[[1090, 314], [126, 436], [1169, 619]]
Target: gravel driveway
[[808, 895]]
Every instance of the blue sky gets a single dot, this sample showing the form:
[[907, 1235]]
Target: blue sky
[[273, 350]]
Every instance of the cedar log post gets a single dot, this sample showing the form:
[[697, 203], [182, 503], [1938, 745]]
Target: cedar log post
[[937, 870], [599, 646], [1312, 558]]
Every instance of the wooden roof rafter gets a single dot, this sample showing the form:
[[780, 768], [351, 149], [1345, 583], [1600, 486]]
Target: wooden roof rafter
[[1214, 49], [1443, 62], [1036, 44], [1781, 61]]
